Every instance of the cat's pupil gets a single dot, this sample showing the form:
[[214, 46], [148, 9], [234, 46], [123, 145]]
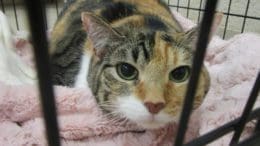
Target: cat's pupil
[[127, 71], [180, 74]]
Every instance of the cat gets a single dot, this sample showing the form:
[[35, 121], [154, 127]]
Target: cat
[[132, 54]]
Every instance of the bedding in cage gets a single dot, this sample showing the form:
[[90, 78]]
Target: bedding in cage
[[233, 65]]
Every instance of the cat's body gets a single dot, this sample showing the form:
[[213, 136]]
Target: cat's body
[[133, 55]]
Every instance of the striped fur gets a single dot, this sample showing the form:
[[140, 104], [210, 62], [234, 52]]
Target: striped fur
[[142, 33]]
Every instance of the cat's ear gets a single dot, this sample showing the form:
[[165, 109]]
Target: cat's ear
[[216, 22], [99, 33], [191, 36]]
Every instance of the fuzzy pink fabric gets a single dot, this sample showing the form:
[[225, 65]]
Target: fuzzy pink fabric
[[80, 119], [233, 66]]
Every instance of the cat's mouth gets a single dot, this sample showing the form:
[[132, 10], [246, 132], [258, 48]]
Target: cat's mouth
[[135, 111]]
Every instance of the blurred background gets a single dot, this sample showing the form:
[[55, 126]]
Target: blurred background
[[239, 15]]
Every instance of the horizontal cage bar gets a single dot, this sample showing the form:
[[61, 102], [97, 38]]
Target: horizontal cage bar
[[220, 131]]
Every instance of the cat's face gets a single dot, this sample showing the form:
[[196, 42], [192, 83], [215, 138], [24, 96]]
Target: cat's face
[[142, 76]]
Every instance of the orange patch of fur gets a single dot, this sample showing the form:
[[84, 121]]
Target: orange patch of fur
[[155, 85], [174, 97], [140, 91]]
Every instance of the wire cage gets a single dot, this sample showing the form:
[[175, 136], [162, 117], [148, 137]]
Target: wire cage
[[203, 13], [239, 16]]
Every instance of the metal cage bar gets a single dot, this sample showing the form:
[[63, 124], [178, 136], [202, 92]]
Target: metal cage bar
[[226, 23], [2, 5], [249, 105], [225, 13], [178, 5], [220, 131], [244, 21], [254, 140], [196, 68], [257, 127], [15, 14], [188, 10], [57, 7], [199, 11], [36, 15]]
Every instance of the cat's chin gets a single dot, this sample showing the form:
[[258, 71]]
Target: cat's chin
[[151, 124], [154, 121]]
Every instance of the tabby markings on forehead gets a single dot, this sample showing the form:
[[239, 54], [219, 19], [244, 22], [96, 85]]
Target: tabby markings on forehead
[[100, 68], [167, 38], [155, 23], [118, 10], [135, 54], [146, 53]]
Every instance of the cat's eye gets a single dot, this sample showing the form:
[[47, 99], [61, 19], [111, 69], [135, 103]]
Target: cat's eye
[[180, 74], [126, 71]]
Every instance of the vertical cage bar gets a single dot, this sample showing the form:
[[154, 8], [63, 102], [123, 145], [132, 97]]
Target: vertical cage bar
[[257, 127], [36, 14], [188, 9], [199, 11], [57, 7], [201, 46], [15, 14], [248, 108], [2, 5], [244, 21], [178, 5], [226, 23], [45, 16], [253, 140]]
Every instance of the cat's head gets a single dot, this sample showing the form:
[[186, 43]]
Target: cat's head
[[141, 74]]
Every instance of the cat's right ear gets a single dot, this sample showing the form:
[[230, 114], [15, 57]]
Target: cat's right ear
[[99, 33]]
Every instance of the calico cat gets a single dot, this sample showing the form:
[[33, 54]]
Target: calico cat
[[132, 54]]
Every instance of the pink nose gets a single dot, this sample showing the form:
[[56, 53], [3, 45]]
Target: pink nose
[[154, 108]]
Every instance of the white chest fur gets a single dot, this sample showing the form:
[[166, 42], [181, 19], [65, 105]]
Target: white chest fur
[[81, 78]]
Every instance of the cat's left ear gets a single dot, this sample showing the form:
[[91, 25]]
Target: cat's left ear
[[191, 36], [99, 32]]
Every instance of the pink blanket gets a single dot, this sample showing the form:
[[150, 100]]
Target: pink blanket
[[233, 66]]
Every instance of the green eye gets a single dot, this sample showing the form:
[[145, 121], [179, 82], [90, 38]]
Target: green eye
[[180, 74], [126, 71]]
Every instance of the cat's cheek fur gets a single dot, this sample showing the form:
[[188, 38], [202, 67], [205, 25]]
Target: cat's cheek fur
[[134, 110]]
